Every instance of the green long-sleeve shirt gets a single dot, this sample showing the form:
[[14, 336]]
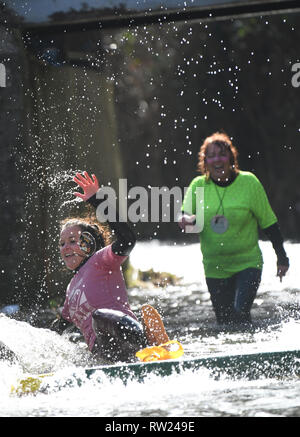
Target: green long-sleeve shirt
[[246, 206]]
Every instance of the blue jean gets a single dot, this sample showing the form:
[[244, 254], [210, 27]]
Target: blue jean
[[232, 298]]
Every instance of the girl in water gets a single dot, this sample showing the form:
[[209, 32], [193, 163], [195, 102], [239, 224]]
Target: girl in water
[[96, 298]]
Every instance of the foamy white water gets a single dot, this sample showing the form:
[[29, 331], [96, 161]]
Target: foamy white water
[[186, 261], [189, 394]]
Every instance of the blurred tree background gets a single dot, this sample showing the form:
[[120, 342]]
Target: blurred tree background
[[178, 83], [137, 103]]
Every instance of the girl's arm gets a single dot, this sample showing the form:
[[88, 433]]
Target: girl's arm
[[125, 237]]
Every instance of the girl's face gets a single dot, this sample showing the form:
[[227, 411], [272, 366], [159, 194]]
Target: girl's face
[[70, 250], [218, 162]]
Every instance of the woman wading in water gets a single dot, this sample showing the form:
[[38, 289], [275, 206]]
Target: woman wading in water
[[235, 206]]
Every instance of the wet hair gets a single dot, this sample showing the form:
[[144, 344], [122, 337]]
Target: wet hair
[[224, 142], [99, 233]]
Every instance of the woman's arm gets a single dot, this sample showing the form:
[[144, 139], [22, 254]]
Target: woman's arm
[[125, 237], [274, 235]]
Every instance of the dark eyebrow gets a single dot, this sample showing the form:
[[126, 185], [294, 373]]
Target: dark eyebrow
[[221, 150], [70, 236]]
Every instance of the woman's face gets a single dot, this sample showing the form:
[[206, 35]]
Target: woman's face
[[218, 162], [70, 250]]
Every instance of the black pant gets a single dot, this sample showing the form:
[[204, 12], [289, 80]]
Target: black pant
[[232, 298], [119, 336]]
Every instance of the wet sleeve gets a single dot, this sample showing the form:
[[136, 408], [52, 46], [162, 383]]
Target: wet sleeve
[[274, 235], [108, 260], [189, 201], [65, 313], [260, 205], [124, 236]]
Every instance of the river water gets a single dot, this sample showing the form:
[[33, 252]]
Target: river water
[[188, 317]]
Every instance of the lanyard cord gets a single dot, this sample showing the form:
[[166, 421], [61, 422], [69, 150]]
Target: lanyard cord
[[220, 199]]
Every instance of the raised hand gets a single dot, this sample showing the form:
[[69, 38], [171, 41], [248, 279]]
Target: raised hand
[[89, 185]]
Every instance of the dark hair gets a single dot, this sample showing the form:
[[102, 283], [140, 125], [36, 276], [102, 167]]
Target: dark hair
[[99, 232], [224, 142]]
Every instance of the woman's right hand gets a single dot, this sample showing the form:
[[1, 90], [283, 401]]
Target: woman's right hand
[[186, 220], [281, 271], [90, 185]]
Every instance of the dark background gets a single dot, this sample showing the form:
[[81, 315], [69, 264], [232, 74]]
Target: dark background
[[136, 102]]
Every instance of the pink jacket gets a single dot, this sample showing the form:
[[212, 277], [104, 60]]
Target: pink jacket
[[99, 283]]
